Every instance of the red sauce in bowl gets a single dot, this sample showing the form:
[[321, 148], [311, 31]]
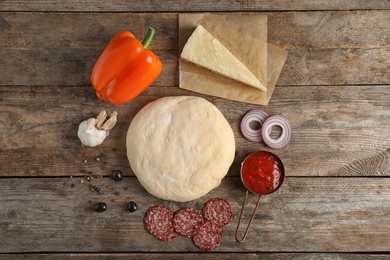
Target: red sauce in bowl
[[262, 172]]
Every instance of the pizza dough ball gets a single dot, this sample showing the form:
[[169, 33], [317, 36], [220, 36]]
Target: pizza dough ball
[[180, 148]]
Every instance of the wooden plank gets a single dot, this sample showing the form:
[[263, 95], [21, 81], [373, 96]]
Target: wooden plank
[[156, 256], [303, 67], [94, 30], [33, 55], [195, 6], [305, 215], [67, 67], [316, 30], [293, 30], [338, 131]]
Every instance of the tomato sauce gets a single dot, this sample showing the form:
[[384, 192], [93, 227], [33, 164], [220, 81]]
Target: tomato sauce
[[262, 172]]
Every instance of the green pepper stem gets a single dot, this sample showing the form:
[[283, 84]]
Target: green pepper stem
[[149, 37]]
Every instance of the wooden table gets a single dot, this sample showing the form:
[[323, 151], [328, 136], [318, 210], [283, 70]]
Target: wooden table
[[334, 87]]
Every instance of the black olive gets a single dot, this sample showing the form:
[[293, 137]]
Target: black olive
[[132, 206], [101, 207], [117, 175]]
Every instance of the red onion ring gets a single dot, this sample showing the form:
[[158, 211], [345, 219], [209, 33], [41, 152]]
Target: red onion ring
[[284, 139], [249, 133]]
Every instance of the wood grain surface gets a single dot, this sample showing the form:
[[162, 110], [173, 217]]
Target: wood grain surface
[[147, 256], [306, 214], [317, 56], [332, 135], [195, 6], [334, 87]]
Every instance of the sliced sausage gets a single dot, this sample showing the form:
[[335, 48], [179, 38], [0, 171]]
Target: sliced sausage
[[185, 220], [218, 211], [208, 236], [158, 221]]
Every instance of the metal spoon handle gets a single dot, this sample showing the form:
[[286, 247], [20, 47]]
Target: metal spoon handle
[[250, 221]]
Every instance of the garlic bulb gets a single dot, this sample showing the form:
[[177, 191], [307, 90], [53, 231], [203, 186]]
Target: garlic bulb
[[93, 131]]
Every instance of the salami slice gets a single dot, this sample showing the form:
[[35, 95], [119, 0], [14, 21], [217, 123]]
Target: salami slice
[[185, 220], [218, 211], [208, 236], [158, 221]]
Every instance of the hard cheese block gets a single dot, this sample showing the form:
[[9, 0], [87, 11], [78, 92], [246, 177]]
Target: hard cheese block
[[206, 51]]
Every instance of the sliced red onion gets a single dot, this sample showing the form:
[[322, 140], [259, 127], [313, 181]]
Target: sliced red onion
[[254, 115], [284, 139]]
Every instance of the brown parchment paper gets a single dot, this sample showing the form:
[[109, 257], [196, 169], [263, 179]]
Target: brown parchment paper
[[245, 35]]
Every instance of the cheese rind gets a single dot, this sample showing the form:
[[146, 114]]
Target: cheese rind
[[206, 51]]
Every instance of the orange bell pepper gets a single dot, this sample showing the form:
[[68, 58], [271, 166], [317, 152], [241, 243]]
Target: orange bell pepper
[[125, 68]]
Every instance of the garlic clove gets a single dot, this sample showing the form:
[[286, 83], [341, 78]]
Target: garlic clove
[[110, 123], [101, 118]]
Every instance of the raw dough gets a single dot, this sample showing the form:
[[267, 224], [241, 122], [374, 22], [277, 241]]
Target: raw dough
[[180, 148]]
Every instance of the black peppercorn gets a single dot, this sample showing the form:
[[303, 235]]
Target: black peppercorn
[[100, 207], [132, 206], [117, 175]]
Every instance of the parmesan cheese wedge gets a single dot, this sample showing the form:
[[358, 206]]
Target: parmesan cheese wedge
[[206, 51]]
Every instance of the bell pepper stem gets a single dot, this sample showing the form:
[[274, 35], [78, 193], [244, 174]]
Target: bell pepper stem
[[149, 37]]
